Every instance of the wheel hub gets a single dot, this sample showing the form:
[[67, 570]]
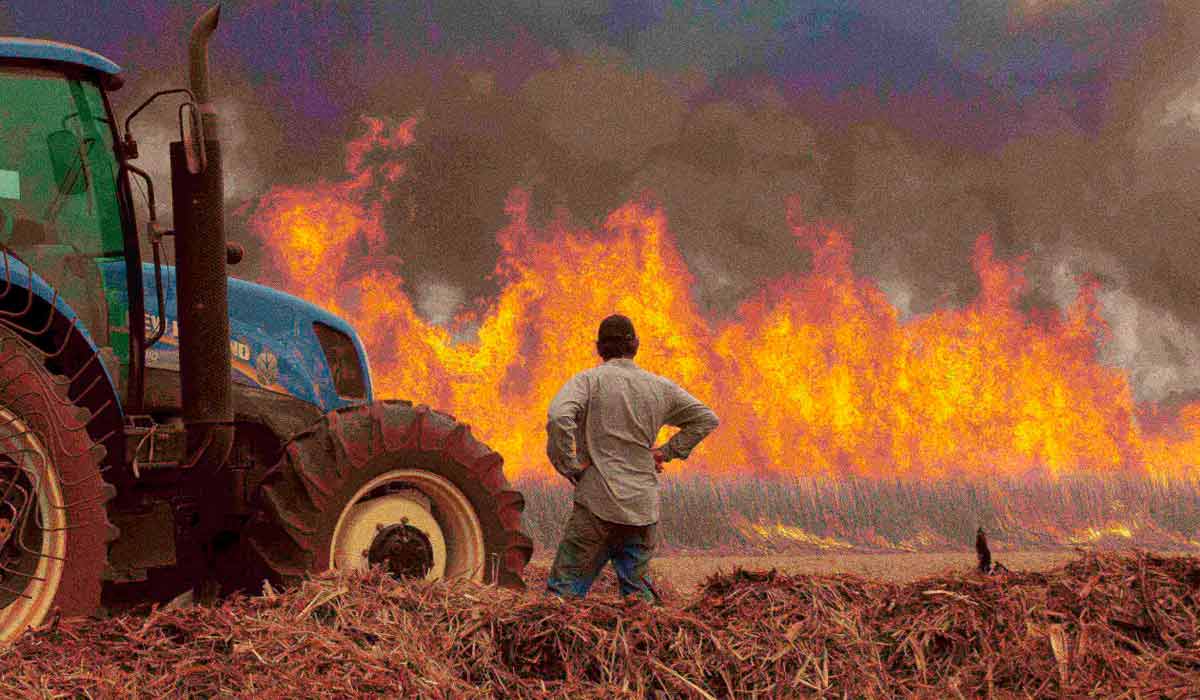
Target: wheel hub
[[393, 530], [33, 528], [15, 491], [403, 550]]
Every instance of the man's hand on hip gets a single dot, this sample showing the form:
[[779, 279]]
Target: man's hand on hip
[[659, 458], [575, 476]]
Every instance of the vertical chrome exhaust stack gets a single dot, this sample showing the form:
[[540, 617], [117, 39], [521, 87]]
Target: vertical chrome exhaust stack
[[202, 31], [199, 203]]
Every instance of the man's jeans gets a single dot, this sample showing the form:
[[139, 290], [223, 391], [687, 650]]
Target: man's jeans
[[589, 543]]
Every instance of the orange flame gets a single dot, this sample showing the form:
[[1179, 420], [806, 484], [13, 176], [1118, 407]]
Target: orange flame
[[816, 375]]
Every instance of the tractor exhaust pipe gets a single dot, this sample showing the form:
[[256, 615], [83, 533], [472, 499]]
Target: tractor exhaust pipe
[[203, 294], [202, 31]]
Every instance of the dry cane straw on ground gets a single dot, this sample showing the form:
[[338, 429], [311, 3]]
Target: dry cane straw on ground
[[1105, 625]]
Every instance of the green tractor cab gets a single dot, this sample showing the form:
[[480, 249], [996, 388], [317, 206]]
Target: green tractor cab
[[166, 428]]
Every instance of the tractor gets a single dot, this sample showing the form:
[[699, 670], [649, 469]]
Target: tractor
[[165, 429]]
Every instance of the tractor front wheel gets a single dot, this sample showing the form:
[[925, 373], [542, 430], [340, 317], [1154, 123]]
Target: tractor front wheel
[[388, 484]]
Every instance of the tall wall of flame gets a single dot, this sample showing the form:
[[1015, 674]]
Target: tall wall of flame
[[815, 375]]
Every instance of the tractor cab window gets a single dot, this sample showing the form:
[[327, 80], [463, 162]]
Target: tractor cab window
[[58, 170], [59, 210]]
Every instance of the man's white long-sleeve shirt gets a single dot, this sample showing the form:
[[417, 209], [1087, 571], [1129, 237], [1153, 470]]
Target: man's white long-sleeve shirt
[[610, 415]]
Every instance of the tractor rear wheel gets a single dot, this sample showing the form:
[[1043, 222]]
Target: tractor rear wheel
[[54, 529], [389, 484]]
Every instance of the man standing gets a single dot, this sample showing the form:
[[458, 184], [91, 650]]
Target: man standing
[[600, 435]]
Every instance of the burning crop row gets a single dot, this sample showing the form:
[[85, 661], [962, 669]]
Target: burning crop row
[[792, 515], [817, 375]]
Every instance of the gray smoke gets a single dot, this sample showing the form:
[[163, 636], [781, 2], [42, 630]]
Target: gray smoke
[[254, 147], [592, 127]]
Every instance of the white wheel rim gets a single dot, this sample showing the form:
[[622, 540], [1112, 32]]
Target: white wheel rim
[[451, 524], [26, 450]]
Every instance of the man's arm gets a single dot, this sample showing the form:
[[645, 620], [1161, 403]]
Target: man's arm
[[561, 426], [694, 420]]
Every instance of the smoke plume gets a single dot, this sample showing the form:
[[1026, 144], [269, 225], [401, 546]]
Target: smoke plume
[[1068, 130]]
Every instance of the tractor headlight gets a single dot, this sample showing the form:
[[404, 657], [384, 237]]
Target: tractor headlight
[[343, 361]]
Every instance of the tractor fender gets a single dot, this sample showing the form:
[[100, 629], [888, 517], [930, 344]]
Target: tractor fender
[[33, 308], [19, 276]]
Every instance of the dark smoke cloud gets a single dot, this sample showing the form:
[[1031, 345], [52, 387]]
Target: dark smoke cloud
[[1101, 182], [1068, 130]]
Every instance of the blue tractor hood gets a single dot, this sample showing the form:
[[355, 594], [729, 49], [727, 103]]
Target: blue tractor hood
[[273, 339]]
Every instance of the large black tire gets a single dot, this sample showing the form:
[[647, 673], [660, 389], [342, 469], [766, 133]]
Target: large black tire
[[324, 467], [64, 538]]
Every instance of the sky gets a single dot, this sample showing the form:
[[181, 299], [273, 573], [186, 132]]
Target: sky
[[992, 55], [1066, 128]]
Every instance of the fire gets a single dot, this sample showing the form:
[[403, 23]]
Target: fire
[[816, 375], [834, 381], [325, 221], [781, 533], [1094, 534]]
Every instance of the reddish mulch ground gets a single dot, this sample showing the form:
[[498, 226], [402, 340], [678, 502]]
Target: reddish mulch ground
[[1105, 625]]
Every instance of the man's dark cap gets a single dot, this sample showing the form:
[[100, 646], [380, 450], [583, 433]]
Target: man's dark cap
[[616, 326]]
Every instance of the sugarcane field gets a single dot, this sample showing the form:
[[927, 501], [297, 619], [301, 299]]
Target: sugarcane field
[[607, 349]]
